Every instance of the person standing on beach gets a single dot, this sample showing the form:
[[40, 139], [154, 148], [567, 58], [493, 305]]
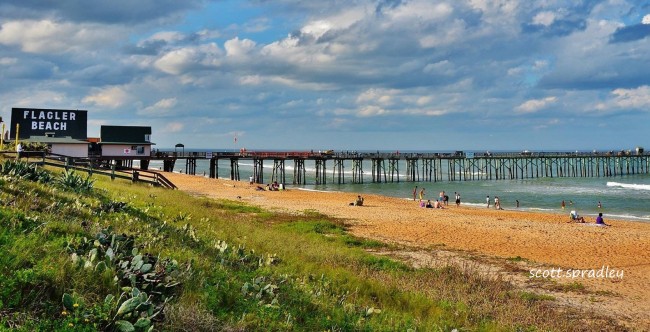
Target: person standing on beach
[[415, 192], [421, 194], [457, 199], [19, 150], [487, 200], [496, 202], [517, 201], [563, 205], [599, 205]]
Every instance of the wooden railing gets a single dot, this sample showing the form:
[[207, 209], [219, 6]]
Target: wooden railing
[[89, 166]]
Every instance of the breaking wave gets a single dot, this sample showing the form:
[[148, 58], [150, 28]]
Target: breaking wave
[[633, 186]]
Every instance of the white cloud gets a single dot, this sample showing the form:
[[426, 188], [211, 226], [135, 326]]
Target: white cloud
[[638, 98], [534, 105], [236, 47], [316, 29], [420, 11], [251, 80], [48, 36], [185, 59], [544, 18], [646, 19], [376, 96], [112, 97], [371, 110], [160, 108], [167, 36]]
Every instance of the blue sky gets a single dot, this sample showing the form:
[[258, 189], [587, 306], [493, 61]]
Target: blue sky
[[349, 75]]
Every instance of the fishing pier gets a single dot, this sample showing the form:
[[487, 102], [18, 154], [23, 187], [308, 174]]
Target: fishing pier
[[329, 167]]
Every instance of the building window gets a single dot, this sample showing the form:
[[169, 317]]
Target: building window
[[147, 138], [140, 150]]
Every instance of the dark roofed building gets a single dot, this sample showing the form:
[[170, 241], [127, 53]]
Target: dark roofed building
[[125, 134], [125, 141]]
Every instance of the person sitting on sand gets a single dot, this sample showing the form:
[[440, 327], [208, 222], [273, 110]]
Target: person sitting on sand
[[600, 221], [575, 217], [429, 205], [359, 201]]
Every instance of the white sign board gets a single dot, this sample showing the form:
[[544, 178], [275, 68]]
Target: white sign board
[[208, 155], [469, 155]]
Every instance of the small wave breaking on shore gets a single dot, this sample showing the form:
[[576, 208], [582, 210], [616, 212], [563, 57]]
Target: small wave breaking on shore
[[632, 186]]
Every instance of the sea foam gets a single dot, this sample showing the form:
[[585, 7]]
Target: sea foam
[[633, 186]]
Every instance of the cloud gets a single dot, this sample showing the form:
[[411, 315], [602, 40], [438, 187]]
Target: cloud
[[371, 110], [174, 127], [237, 48], [186, 59], [101, 11], [534, 105], [544, 18], [111, 97], [47, 36], [631, 33], [8, 61], [638, 98], [162, 107]]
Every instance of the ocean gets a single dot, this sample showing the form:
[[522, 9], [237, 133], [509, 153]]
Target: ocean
[[620, 197]]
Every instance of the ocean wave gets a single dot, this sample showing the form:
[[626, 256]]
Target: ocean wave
[[627, 217], [633, 186]]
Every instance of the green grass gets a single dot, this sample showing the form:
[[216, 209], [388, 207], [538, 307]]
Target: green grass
[[239, 267]]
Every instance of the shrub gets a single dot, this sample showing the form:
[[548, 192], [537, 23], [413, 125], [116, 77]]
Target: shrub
[[19, 169], [70, 179]]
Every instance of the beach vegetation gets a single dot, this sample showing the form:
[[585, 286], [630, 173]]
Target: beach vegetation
[[530, 296], [122, 256], [575, 286]]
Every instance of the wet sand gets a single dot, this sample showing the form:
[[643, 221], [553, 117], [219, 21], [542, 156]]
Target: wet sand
[[545, 241]]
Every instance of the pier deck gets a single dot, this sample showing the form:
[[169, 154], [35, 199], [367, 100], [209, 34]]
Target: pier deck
[[418, 167]]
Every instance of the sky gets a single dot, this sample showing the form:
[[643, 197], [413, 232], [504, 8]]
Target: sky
[[469, 75]]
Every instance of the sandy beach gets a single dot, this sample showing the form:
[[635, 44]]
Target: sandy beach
[[508, 242]]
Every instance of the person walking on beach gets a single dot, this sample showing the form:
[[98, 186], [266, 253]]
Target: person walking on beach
[[421, 194], [415, 192], [487, 200], [457, 199]]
